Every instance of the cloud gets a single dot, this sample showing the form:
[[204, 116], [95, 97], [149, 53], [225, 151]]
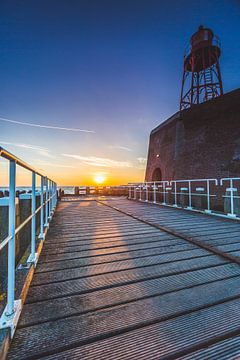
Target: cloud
[[56, 165], [142, 160], [120, 147], [40, 150], [141, 163], [45, 126], [100, 162], [25, 146]]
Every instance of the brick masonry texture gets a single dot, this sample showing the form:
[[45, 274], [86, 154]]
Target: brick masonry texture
[[202, 142]]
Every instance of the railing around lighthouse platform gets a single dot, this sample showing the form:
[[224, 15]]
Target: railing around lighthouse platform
[[48, 202]]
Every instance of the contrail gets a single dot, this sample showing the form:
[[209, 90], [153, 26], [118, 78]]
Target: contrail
[[45, 126]]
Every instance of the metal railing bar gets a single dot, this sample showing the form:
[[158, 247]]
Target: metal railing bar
[[5, 242], [11, 313], [9, 156], [151, 190], [19, 228], [24, 223], [11, 243]]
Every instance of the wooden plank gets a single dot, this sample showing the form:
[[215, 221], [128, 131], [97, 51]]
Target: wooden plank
[[226, 349], [103, 281], [214, 226], [89, 270], [151, 328], [109, 258], [101, 249], [109, 286], [42, 311]]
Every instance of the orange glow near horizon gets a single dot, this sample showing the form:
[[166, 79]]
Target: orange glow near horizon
[[99, 179], [76, 176]]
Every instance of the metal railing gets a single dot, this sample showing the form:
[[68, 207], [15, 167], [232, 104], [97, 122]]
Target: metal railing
[[232, 193], [48, 202], [211, 196]]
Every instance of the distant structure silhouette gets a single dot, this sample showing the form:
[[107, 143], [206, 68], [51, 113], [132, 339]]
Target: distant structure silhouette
[[201, 72]]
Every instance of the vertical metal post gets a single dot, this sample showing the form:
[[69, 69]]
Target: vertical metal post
[[208, 197], [41, 235], [140, 192], [164, 193], [33, 227], [46, 203], [134, 192], [50, 199], [129, 192], [231, 197], [146, 187], [154, 193], [189, 196], [54, 195], [11, 243], [175, 194]]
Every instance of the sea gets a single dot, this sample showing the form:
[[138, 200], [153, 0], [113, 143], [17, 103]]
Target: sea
[[67, 189]]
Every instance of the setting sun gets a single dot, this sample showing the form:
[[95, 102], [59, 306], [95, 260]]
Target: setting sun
[[99, 179]]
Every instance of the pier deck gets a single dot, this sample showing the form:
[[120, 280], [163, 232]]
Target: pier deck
[[119, 279]]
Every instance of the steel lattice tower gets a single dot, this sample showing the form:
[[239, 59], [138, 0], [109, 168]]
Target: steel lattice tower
[[201, 73]]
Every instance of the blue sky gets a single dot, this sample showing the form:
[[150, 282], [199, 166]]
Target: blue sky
[[111, 67]]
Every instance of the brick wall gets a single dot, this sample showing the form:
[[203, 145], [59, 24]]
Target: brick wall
[[202, 142]]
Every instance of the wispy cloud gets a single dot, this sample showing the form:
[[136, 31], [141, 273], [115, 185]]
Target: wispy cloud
[[45, 126], [41, 150], [119, 147], [55, 165], [141, 162], [25, 146], [100, 162]]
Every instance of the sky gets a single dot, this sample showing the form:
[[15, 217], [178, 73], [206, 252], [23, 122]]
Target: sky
[[83, 82]]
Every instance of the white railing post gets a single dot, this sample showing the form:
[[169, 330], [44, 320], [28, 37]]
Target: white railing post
[[135, 192], [175, 194], [231, 198], [231, 189], [11, 244], [55, 196], [146, 187], [41, 234], [174, 182], [51, 199], [208, 198], [46, 204], [154, 192], [189, 207], [164, 193], [11, 313], [140, 192], [33, 256]]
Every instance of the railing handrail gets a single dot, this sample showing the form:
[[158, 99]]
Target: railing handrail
[[171, 187], [11, 313], [183, 180], [229, 179], [9, 156]]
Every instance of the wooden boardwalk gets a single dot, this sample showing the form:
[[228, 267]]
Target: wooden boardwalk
[[121, 280]]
